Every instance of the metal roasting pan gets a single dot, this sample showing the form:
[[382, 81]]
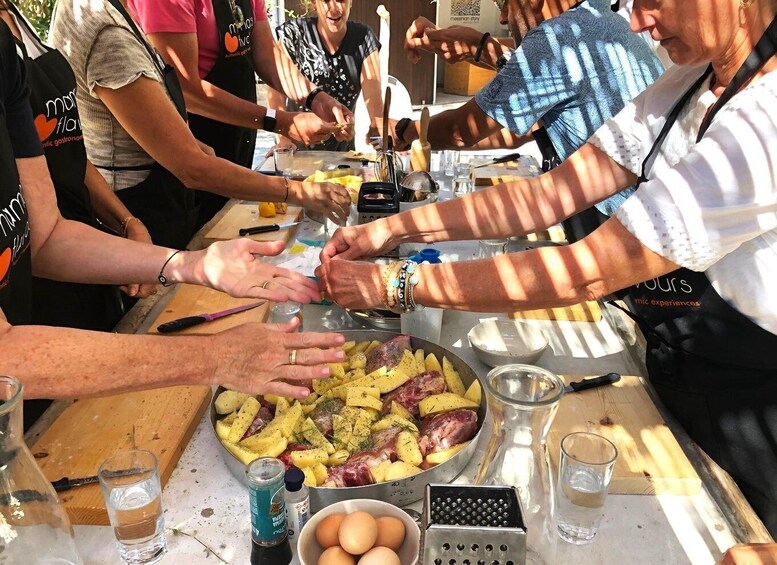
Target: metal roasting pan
[[404, 491]]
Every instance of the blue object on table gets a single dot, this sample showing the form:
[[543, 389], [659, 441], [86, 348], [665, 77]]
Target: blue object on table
[[428, 254]]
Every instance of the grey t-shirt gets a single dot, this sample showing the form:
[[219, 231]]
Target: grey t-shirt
[[103, 51]]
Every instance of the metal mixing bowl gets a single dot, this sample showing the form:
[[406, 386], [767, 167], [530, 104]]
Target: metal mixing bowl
[[404, 491]]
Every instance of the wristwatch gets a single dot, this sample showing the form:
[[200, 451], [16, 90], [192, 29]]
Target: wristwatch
[[269, 122]]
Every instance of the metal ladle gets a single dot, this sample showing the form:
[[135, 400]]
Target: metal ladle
[[419, 185]]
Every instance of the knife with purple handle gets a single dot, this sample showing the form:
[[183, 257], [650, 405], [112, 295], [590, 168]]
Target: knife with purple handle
[[189, 321]]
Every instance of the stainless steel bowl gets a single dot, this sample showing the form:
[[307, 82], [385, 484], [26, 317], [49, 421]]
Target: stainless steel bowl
[[379, 319], [404, 491]]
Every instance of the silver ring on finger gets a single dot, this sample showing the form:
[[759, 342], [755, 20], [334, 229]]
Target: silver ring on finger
[[293, 357]]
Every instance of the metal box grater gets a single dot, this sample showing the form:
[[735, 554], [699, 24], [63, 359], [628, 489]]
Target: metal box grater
[[377, 200], [473, 525]]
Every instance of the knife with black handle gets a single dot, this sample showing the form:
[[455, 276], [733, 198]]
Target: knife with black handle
[[593, 382]]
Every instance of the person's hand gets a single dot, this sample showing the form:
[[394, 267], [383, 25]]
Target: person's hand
[[375, 136], [205, 148], [256, 358], [454, 43], [331, 199], [751, 554], [359, 242], [415, 32], [352, 284], [232, 267], [305, 127], [136, 231], [331, 110], [283, 143]]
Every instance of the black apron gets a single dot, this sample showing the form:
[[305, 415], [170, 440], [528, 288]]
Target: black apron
[[15, 257], [233, 72], [167, 208], [53, 101], [713, 367]]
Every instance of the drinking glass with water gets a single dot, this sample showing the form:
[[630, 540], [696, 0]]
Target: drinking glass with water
[[133, 496], [284, 161], [462, 179], [585, 470]]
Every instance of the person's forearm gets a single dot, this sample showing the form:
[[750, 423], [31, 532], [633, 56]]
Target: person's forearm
[[503, 139], [109, 209], [458, 128], [492, 50], [50, 361], [514, 208]]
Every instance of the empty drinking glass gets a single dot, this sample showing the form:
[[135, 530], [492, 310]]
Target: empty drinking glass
[[450, 159], [133, 496], [284, 160], [585, 470], [282, 312]]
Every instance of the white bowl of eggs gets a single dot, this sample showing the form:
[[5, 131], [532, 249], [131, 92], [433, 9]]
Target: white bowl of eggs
[[363, 531]]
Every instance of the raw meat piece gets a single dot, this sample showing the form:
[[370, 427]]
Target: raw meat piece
[[442, 431], [322, 414], [260, 421], [286, 455], [356, 471], [414, 391], [388, 354]]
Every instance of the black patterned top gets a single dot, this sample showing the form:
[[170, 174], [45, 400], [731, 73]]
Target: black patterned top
[[339, 74]]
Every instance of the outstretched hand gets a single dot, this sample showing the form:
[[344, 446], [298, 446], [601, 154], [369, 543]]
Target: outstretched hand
[[236, 268]]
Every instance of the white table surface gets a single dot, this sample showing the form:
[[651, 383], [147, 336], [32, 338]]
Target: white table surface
[[203, 500]]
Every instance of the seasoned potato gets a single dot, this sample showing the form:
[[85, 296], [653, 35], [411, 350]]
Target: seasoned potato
[[378, 472], [358, 361], [259, 444], [229, 401], [310, 477], [401, 411], [309, 399], [222, 428], [444, 403], [245, 416], [452, 378], [347, 346], [442, 456], [432, 364], [321, 472], [337, 370], [407, 449], [408, 364], [419, 361], [308, 457], [282, 405], [314, 436], [341, 436], [358, 348], [374, 344], [357, 393], [474, 392], [400, 470], [394, 421], [339, 457], [244, 455], [321, 386], [394, 379]]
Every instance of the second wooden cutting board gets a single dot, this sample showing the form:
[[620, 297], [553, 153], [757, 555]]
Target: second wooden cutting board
[[242, 215], [650, 461]]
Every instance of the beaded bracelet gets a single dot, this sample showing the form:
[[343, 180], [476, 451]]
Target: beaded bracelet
[[407, 279], [389, 277], [125, 222]]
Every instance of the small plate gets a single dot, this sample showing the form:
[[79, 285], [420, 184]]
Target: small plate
[[502, 342]]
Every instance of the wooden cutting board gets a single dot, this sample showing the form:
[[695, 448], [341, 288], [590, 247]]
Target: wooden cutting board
[[650, 461], [91, 430], [190, 300], [242, 215]]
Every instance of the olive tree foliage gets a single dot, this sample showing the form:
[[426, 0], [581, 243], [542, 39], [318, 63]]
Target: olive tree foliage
[[38, 12]]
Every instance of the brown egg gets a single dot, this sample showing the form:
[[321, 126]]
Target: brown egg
[[391, 532], [379, 556], [358, 533], [327, 530], [336, 556]]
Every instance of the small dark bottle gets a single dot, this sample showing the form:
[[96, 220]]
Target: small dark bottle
[[275, 555]]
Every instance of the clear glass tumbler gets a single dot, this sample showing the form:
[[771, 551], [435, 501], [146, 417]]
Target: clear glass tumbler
[[283, 312], [450, 159], [462, 179], [133, 496], [585, 469], [284, 160], [523, 401], [490, 248]]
